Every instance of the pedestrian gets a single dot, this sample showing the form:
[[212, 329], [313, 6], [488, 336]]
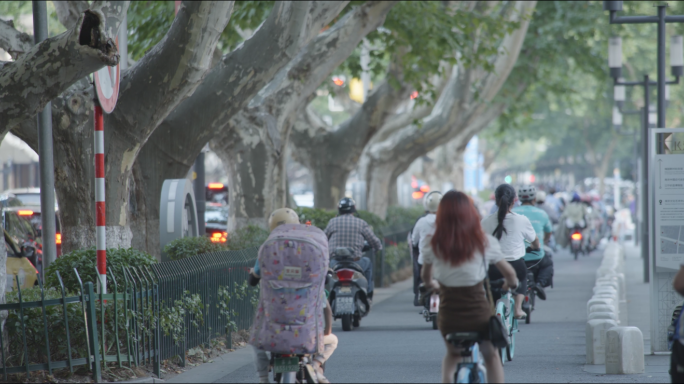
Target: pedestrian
[[457, 256], [677, 357]]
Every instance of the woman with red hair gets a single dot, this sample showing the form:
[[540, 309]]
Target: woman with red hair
[[457, 256]]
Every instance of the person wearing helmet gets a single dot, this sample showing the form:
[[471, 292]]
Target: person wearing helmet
[[424, 226], [347, 230], [542, 226], [574, 216], [279, 217]]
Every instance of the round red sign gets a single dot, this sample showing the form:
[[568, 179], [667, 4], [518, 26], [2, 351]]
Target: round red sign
[[107, 85]]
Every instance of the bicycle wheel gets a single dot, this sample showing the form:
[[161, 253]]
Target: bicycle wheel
[[501, 313], [462, 374], [510, 350]]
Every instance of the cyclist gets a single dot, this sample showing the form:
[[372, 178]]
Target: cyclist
[[512, 230], [279, 217], [457, 255], [542, 204], [346, 230], [536, 260], [424, 226]]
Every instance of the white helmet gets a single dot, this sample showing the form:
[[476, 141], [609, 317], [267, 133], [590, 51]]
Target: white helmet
[[431, 201], [282, 216], [541, 197], [527, 193]]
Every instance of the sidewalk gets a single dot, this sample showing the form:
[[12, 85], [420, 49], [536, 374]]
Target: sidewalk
[[227, 363]]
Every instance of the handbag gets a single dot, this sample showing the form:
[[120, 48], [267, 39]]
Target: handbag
[[497, 331]]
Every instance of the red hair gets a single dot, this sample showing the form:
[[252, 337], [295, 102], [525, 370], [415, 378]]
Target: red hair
[[458, 234]]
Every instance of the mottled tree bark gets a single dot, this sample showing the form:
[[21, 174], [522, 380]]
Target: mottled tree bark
[[47, 69], [331, 153], [463, 109], [148, 92], [230, 85], [262, 129]]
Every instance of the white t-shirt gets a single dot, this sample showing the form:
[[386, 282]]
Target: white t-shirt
[[463, 275], [425, 226], [518, 229]]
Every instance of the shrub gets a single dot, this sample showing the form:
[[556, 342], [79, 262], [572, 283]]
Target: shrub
[[402, 217], [396, 257], [318, 217], [190, 246], [85, 261], [247, 237]]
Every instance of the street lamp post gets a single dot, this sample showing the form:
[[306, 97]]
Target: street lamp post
[[615, 64]]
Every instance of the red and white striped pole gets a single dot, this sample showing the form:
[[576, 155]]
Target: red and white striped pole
[[100, 230]]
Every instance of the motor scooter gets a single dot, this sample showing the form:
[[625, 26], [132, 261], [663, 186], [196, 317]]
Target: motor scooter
[[430, 300], [348, 289]]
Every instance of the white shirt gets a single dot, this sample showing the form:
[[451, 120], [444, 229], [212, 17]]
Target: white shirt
[[518, 229], [424, 226], [467, 274]]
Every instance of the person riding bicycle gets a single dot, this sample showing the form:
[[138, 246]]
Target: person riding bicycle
[[280, 217], [424, 226], [456, 255], [347, 230], [512, 230], [542, 204], [537, 260]]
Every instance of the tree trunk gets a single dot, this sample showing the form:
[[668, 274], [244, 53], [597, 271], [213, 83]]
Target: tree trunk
[[256, 178], [330, 181], [378, 183]]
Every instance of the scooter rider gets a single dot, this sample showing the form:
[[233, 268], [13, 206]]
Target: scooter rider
[[347, 230], [279, 217], [424, 226], [537, 260]]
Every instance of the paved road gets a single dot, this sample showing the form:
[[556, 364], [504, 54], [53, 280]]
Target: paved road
[[395, 344]]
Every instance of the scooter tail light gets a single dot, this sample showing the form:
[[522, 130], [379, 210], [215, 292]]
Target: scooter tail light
[[345, 274], [576, 236]]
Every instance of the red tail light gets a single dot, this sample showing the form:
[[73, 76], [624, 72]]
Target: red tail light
[[219, 237], [576, 236], [345, 274], [58, 238]]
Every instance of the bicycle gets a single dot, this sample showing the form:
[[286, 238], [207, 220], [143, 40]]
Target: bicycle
[[505, 308], [531, 294], [471, 369]]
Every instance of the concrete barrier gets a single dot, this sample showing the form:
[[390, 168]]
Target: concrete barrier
[[596, 339], [599, 301], [624, 351], [602, 308], [603, 316]]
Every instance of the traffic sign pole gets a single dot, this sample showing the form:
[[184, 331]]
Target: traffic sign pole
[[100, 229], [106, 82]]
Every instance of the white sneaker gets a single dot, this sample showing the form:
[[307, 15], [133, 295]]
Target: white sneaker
[[320, 377]]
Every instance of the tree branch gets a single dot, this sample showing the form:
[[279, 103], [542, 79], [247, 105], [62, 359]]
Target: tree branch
[[13, 41], [52, 66], [169, 72], [68, 12]]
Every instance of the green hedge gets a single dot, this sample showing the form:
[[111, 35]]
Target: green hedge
[[85, 260], [248, 237]]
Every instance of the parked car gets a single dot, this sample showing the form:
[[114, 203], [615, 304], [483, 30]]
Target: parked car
[[30, 199], [23, 246]]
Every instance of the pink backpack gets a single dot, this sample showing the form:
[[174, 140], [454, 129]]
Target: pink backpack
[[289, 318]]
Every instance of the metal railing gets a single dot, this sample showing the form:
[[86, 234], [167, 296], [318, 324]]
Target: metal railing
[[88, 329], [219, 281]]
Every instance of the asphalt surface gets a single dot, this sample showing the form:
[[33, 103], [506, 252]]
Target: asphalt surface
[[395, 344]]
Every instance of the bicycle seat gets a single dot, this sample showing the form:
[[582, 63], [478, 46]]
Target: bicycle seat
[[463, 336]]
